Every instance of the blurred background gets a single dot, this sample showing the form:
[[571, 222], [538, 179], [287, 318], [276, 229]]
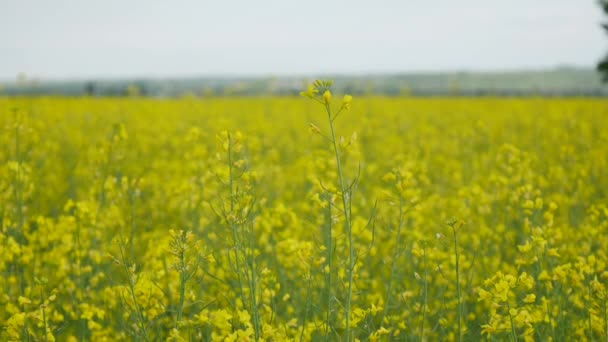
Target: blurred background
[[224, 48]]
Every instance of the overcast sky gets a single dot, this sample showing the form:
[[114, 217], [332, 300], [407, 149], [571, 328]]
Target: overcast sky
[[125, 38]]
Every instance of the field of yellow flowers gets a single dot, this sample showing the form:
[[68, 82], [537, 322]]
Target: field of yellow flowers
[[295, 219]]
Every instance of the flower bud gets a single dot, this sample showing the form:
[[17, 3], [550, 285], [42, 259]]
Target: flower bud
[[327, 97]]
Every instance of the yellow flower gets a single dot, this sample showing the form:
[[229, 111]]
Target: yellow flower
[[310, 92], [528, 204], [221, 319], [484, 295], [389, 177], [526, 280], [174, 336], [382, 331], [244, 317], [202, 317], [24, 300], [346, 101], [14, 325], [502, 290], [327, 97], [489, 329], [531, 298], [524, 248]]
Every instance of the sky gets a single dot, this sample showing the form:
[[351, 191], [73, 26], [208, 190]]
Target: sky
[[75, 39]]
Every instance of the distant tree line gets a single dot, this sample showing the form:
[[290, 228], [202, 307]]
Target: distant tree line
[[556, 82]]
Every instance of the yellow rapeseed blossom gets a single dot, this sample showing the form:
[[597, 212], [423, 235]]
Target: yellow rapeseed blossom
[[277, 230], [346, 101], [327, 97]]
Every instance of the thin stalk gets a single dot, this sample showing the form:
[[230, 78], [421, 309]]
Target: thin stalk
[[44, 326], [252, 286], [18, 193], [513, 333], [79, 281], [182, 287], [426, 289], [459, 311], [553, 333], [347, 223], [18, 176], [248, 269], [606, 316], [589, 303], [233, 226], [167, 284], [132, 223], [308, 303], [328, 247], [389, 286], [131, 282]]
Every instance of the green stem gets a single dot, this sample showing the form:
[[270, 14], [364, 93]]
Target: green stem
[[182, 288], [308, 302], [233, 226], [44, 327], [18, 175], [606, 316], [459, 309], [253, 285], [426, 288], [248, 261], [347, 224], [513, 333], [79, 280], [132, 223], [389, 286], [18, 192], [589, 304], [328, 246], [131, 282]]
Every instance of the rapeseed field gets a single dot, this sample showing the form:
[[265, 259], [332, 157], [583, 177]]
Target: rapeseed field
[[317, 218]]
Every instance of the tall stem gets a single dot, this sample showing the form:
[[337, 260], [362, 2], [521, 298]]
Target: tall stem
[[589, 303], [459, 309], [131, 281], [513, 333], [44, 325], [606, 316], [233, 226], [182, 286], [308, 302], [328, 246], [389, 286], [253, 285], [132, 223], [240, 234], [347, 223], [425, 294], [18, 193]]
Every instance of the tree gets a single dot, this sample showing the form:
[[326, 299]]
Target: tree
[[602, 66]]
